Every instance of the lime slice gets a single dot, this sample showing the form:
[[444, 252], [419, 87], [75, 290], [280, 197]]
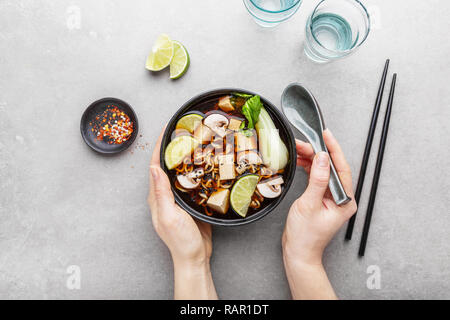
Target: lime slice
[[178, 149], [189, 122], [161, 55], [180, 60], [241, 194]]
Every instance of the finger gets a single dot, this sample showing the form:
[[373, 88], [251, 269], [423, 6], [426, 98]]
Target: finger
[[340, 163], [161, 190], [156, 163], [304, 149], [318, 181], [306, 164]]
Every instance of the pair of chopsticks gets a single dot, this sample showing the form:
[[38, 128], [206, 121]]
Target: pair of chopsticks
[[365, 160]]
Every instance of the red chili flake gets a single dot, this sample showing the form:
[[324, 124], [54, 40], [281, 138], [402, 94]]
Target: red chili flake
[[113, 131]]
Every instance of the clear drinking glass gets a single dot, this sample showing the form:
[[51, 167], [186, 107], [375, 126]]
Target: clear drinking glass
[[269, 13], [335, 29]]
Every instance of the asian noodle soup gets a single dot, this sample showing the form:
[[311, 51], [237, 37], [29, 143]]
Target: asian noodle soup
[[227, 157]]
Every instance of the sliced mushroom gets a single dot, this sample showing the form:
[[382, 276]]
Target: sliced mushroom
[[269, 191], [196, 173], [199, 156], [218, 123], [187, 182], [270, 188], [274, 180], [203, 133], [192, 179], [251, 157], [241, 167], [246, 159]]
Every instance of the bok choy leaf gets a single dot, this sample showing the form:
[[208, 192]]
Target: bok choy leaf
[[273, 150], [251, 110]]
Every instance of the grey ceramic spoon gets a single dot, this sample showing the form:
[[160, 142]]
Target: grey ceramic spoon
[[303, 112]]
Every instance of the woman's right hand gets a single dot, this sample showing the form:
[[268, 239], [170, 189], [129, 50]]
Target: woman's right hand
[[314, 219]]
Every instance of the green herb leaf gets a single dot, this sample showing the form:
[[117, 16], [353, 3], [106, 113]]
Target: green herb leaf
[[242, 126], [242, 95]]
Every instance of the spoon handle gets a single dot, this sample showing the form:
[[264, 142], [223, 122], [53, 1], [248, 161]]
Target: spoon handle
[[336, 188]]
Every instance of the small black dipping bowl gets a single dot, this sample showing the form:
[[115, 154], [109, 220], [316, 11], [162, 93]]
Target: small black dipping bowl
[[286, 135], [97, 108]]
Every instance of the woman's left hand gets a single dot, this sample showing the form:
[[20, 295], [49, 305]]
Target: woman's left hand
[[189, 241]]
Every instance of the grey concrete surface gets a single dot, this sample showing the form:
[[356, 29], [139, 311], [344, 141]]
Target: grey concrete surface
[[63, 205]]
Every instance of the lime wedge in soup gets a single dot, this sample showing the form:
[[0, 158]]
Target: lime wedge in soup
[[189, 122], [178, 149], [242, 192]]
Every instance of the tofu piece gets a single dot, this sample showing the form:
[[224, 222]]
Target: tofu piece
[[229, 143], [217, 143], [234, 124], [198, 156], [226, 167], [203, 134], [219, 201], [225, 104], [244, 143]]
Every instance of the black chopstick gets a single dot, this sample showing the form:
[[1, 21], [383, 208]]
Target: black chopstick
[[365, 159], [376, 176]]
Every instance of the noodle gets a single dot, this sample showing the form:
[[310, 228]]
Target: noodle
[[210, 181], [208, 213]]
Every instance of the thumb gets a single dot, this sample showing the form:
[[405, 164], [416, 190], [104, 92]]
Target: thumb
[[318, 180], [160, 189]]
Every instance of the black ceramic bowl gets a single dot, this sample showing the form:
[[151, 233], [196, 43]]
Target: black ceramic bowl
[[286, 135], [96, 108]]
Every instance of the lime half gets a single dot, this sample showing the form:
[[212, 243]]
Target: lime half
[[161, 55], [178, 149], [189, 122], [180, 61], [241, 193]]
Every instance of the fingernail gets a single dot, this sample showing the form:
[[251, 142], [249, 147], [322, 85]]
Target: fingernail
[[322, 159], [155, 173], [329, 131]]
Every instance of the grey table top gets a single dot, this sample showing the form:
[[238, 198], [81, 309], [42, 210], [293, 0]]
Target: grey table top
[[64, 205]]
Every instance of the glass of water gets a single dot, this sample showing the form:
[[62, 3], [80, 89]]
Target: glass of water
[[335, 29], [269, 13]]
